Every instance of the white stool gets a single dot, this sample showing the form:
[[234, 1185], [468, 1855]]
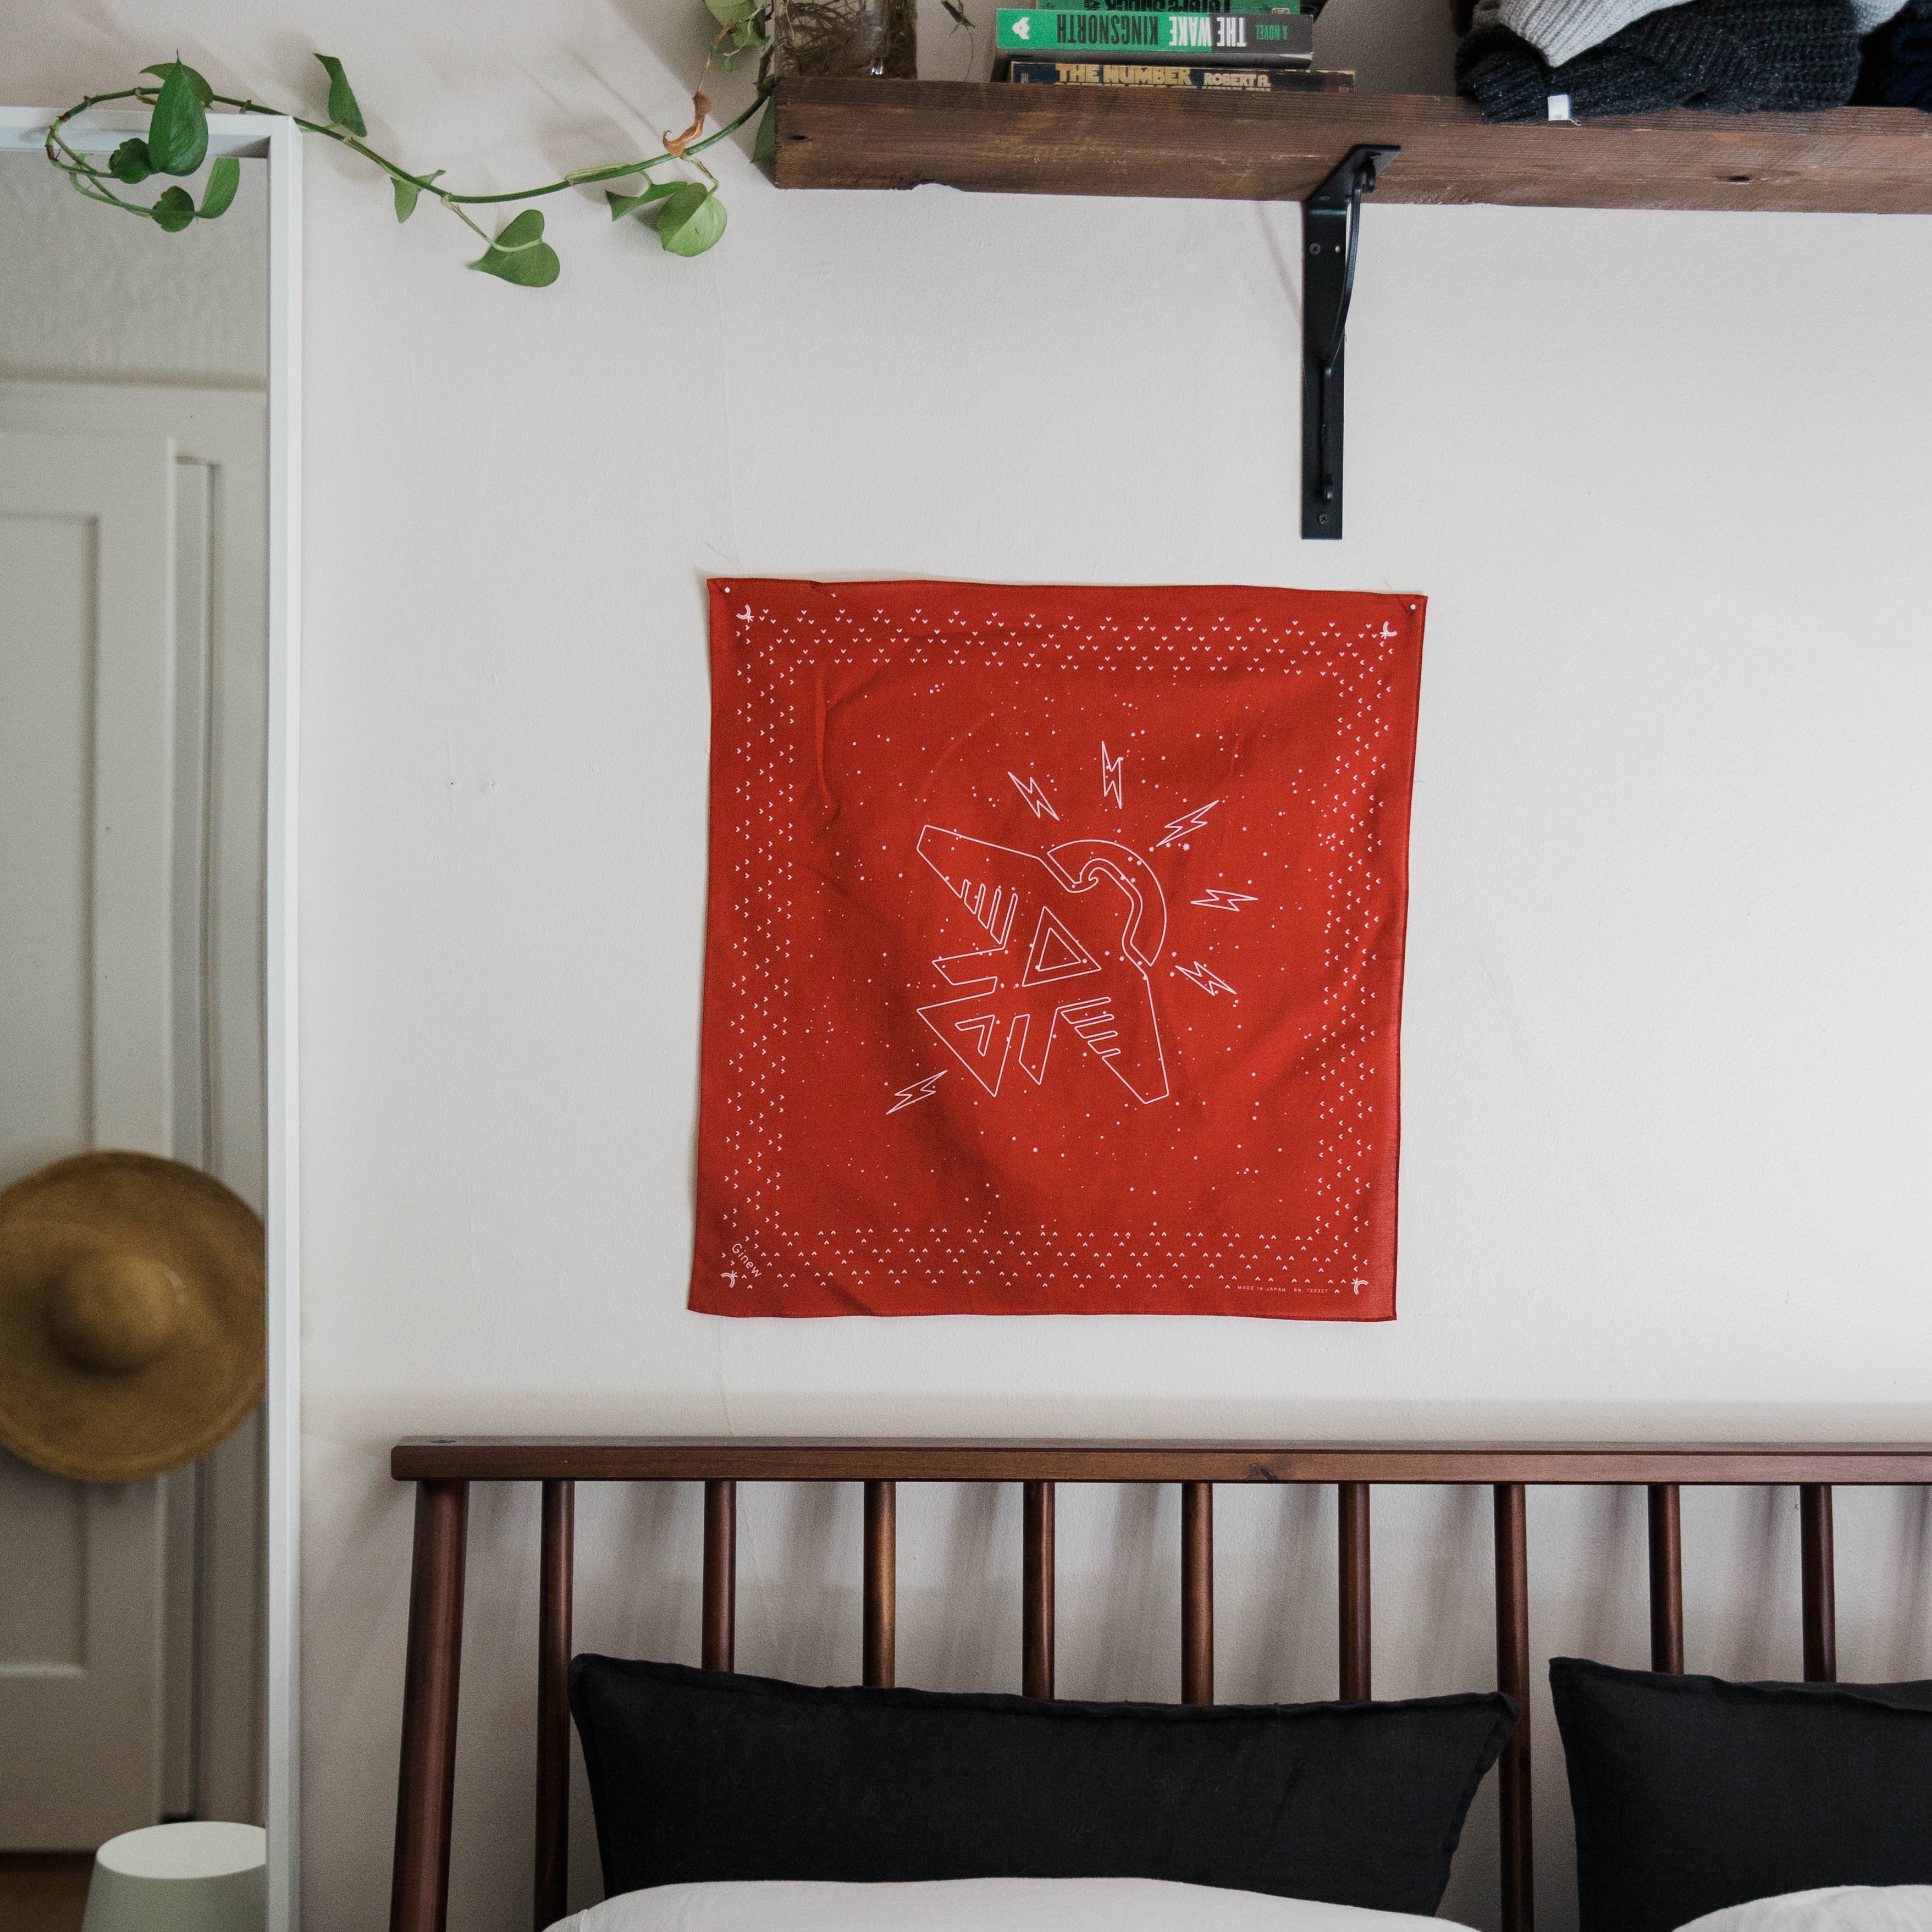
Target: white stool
[[181, 1878]]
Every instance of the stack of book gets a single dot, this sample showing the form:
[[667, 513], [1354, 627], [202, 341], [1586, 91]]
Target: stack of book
[[1203, 44]]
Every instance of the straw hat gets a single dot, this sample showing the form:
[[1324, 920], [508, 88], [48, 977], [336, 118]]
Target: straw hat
[[132, 1305]]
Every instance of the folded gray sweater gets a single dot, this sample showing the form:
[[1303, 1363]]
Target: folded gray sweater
[[1560, 30], [1738, 56]]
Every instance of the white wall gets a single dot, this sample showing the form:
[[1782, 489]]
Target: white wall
[[1665, 480]]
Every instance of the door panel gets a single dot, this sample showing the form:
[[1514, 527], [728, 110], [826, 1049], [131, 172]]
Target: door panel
[[87, 583], [77, 1694], [47, 818], [43, 1603]]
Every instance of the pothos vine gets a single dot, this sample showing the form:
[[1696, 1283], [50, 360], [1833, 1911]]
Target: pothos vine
[[684, 207]]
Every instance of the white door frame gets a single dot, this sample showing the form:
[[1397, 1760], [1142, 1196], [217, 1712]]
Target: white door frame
[[278, 141]]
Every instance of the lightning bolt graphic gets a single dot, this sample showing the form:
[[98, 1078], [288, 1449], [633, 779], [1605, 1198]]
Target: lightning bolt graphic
[[1205, 978], [919, 1089], [1218, 900], [1110, 775], [1188, 821], [1029, 789]]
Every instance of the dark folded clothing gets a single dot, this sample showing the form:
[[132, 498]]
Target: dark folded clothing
[[1737, 56], [1897, 71]]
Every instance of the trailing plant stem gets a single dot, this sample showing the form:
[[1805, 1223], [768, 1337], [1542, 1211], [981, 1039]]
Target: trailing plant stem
[[88, 179]]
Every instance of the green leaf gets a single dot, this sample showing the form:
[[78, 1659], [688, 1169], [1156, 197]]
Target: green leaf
[[692, 220], [621, 205], [174, 211], [765, 143], [406, 192], [201, 87], [523, 231], [343, 110], [744, 20], [129, 162], [177, 130], [223, 179], [521, 254]]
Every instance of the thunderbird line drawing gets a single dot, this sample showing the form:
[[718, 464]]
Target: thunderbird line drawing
[[1075, 931]]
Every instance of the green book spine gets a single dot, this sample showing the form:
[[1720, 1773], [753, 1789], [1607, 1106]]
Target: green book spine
[[1204, 39]]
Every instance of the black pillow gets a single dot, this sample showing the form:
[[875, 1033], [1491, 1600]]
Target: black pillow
[[1691, 1793], [698, 1775]]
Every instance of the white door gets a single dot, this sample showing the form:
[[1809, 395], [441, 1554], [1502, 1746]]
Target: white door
[[212, 1703], [87, 667]]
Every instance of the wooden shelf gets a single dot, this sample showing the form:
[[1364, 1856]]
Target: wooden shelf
[[1006, 139]]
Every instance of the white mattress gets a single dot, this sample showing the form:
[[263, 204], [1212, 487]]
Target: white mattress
[[977, 1905]]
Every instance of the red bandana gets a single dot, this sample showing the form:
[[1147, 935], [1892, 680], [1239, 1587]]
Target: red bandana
[[1054, 961]]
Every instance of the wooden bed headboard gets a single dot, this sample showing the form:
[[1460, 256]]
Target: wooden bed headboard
[[442, 1468]]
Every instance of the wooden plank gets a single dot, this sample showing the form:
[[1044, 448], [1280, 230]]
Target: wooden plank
[[1351, 1501], [426, 1786], [553, 1620], [534, 1459], [1036, 1592], [1667, 1580], [1821, 1614], [1001, 139], [719, 1642], [881, 1584], [1513, 1793], [1197, 1593]]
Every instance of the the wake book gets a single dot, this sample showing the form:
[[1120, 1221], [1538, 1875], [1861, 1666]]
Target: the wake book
[[1203, 40], [1213, 79]]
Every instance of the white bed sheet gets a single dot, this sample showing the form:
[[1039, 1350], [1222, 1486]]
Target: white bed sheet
[[978, 1905], [1837, 1908]]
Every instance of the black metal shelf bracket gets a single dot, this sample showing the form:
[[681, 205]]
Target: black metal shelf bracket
[[1331, 228]]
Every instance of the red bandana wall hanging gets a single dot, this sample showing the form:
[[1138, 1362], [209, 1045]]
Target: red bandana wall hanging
[[1053, 960]]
